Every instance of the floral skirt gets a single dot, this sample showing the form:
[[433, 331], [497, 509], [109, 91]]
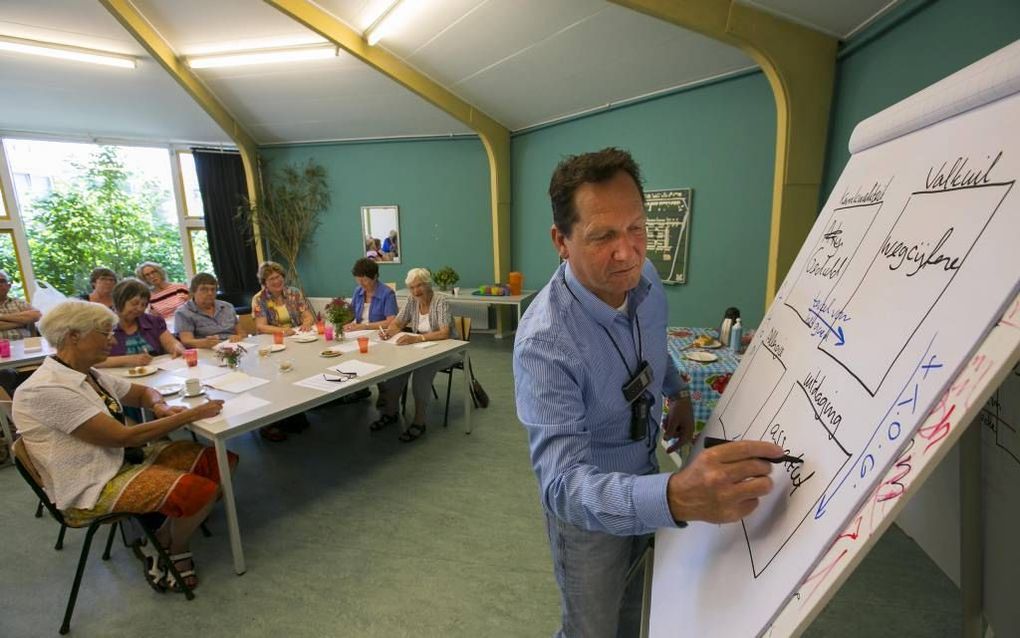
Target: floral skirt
[[176, 479]]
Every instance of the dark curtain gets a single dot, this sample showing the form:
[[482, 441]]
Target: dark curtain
[[222, 183]]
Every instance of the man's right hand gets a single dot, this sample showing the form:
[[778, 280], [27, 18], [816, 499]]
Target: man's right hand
[[722, 484]]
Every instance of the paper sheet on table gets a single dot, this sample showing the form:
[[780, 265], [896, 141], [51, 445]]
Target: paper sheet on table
[[424, 344], [236, 382], [235, 406], [346, 346], [362, 368], [317, 382], [164, 362], [201, 371], [354, 334], [32, 344]]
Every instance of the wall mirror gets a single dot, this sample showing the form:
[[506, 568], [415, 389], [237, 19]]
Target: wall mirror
[[380, 231]]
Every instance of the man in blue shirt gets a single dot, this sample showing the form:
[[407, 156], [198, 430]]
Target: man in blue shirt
[[590, 368]]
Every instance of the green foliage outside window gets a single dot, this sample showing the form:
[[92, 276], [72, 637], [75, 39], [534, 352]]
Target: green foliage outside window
[[9, 264], [98, 221]]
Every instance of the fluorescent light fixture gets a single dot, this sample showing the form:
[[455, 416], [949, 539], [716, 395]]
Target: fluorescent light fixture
[[264, 56], [391, 20], [66, 52]]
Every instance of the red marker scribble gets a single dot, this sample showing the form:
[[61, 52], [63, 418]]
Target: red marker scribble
[[935, 433]]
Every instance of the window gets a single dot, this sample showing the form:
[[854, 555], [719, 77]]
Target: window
[[85, 205], [199, 242], [11, 264], [193, 206]]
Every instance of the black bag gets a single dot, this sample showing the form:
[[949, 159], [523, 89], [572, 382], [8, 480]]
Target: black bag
[[477, 391]]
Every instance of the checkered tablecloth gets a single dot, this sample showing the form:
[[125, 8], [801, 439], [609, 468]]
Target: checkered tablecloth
[[706, 380]]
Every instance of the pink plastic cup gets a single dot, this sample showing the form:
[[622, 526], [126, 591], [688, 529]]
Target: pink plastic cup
[[191, 357]]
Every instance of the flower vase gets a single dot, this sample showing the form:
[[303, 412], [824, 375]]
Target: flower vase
[[338, 333], [234, 364]]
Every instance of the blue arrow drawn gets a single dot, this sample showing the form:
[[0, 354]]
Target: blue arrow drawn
[[838, 331]]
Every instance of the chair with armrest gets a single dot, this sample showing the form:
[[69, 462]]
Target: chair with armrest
[[28, 471]]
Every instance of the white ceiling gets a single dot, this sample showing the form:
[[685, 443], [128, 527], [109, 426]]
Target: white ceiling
[[523, 62]]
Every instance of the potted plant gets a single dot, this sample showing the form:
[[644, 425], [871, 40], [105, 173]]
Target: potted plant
[[230, 354], [339, 313], [446, 278]]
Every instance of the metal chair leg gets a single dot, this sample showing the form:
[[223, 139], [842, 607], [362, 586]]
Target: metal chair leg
[[60, 538], [109, 541], [205, 530], [66, 626], [165, 558], [38, 510]]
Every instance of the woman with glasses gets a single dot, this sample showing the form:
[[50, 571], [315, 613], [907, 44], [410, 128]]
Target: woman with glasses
[[165, 297], [71, 418], [427, 316], [138, 336], [101, 280], [279, 307]]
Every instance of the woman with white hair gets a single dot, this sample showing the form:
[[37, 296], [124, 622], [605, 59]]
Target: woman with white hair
[[71, 418], [166, 296], [427, 316]]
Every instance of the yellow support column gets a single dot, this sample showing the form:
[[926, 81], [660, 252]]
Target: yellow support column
[[495, 137], [800, 65], [138, 26]]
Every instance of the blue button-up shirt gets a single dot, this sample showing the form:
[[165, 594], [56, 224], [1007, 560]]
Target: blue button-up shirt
[[569, 378], [384, 304], [222, 323]]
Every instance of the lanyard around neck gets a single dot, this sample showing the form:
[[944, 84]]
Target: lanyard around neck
[[639, 346]]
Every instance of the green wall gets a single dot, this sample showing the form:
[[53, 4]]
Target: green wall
[[719, 140], [441, 187], [914, 47]]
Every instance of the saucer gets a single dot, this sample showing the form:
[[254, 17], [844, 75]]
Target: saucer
[[170, 388], [277, 347], [192, 396], [140, 371]]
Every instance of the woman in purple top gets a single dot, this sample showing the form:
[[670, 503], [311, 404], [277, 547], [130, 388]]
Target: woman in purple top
[[139, 336]]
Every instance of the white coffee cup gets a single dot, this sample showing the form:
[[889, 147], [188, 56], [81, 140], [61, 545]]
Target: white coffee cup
[[192, 387]]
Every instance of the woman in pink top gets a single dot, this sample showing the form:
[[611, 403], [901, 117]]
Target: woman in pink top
[[166, 297]]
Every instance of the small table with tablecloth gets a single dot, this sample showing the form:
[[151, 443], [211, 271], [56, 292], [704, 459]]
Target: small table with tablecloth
[[706, 380]]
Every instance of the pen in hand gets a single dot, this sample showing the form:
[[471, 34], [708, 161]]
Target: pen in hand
[[711, 441]]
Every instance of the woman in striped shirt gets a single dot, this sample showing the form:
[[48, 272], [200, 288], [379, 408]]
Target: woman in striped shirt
[[166, 296]]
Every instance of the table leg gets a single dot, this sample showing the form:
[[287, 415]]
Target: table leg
[[468, 402], [227, 485]]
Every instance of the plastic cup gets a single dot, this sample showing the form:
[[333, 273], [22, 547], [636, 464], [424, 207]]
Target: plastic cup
[[363, 344], [5, 348], [328, 333], [278, 338], [320, 327], [191, 357]]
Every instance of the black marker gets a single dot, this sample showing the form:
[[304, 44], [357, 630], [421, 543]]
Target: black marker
[[711, 441]]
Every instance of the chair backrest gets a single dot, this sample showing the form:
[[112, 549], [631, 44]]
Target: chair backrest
[[31, 475], [392, 285], [463, 325], [247, 322]]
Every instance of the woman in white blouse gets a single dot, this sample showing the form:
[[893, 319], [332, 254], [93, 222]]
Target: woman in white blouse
[[71, 418], [427, 316]]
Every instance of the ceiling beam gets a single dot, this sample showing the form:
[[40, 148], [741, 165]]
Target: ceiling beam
[[800, 65], [142, 30], [495, 137]]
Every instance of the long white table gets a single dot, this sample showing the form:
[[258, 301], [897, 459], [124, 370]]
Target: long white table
[[286, 399], [468, 299]]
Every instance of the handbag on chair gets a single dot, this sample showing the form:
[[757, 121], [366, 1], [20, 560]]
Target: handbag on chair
[[477, 391]]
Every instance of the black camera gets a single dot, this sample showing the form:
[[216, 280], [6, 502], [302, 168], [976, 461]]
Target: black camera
[[634, 391]]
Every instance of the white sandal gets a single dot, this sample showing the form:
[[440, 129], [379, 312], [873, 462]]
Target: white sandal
[[171, 581]]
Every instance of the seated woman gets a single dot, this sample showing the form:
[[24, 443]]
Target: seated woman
[[278, 307], [374, 304], [138, 336], [101, 280], [427, 316], [205, 320], [72, 422], [166, 297]]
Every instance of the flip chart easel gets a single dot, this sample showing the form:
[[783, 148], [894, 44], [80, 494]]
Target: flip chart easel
[[895, 324]]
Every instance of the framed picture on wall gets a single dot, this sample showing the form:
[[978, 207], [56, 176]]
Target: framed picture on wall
[[668, 232], [380, 232]]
